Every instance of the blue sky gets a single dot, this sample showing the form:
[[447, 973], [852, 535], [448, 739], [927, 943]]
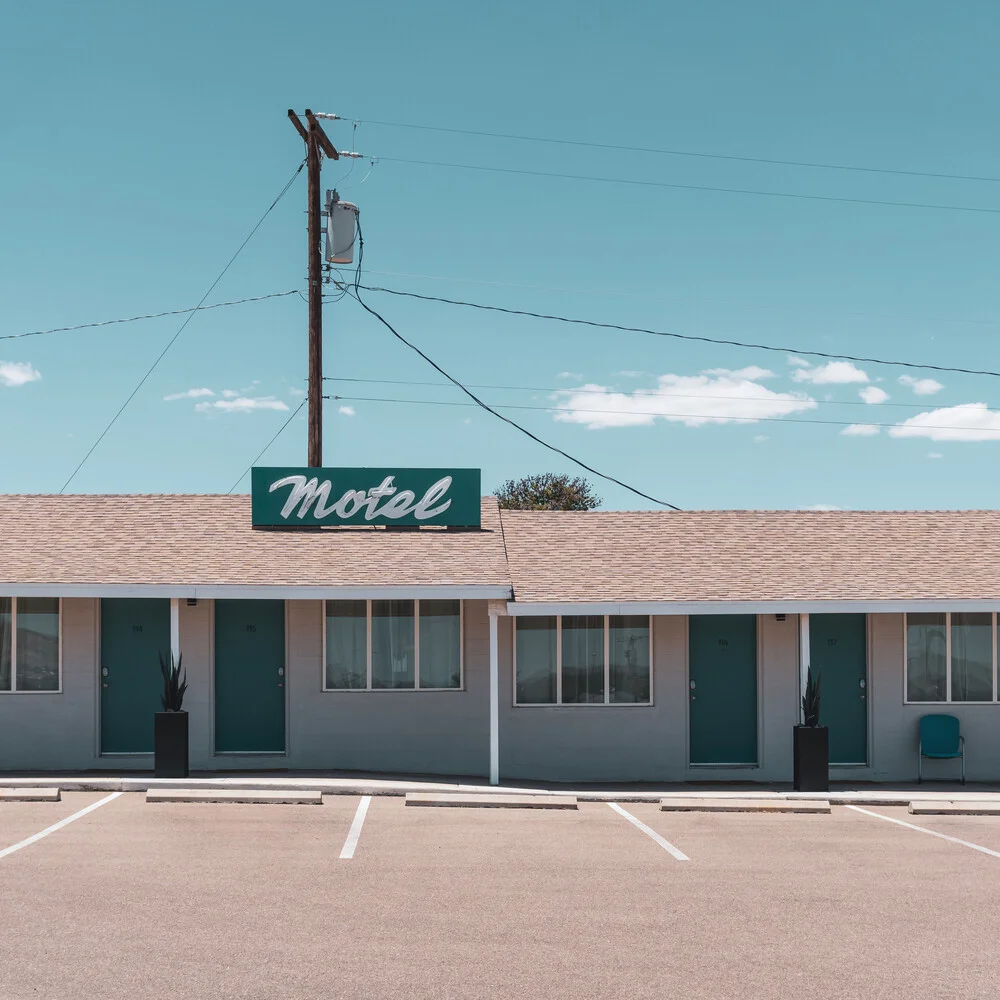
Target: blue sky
[[141, 142]]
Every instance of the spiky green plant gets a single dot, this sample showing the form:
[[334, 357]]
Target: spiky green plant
[[174, 685], [810, 700]]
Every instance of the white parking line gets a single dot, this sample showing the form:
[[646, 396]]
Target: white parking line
[[58, 826], [355, 832], [665, 844], [923, 829]]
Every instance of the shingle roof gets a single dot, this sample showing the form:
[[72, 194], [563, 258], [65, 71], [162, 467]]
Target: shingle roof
[[610, 556], [551, 556], [195, 540]]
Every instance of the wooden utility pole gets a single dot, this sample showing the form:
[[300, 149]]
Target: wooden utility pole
[[316, 142]]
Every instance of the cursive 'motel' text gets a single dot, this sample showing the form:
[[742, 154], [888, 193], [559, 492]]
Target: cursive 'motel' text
[[306, 493]]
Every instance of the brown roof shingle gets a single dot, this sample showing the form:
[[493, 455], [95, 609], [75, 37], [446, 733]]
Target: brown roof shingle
[[747, 555], [208, 540]]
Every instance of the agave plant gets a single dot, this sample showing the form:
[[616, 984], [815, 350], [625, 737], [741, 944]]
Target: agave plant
[[810, 700], [174, 685]]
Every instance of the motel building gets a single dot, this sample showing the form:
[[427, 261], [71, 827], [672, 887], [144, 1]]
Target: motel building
[[395, 621]]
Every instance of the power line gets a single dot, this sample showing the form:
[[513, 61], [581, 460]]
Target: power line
[[694, 187], [681, 336], [263, 450], [180, 330], [814, 165], [708, 418], [534, 437], [159, 315], [639, 393], [690, 298]]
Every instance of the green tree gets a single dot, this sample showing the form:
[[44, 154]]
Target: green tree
[[547, 491]]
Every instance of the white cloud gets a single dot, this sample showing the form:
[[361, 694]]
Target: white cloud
[[189, 394], [966, 422], [631, 373], [242, 404], [797, 362], [822, 506], [934, 454], [348, 411], [716, 397], [759, 438], [752, 373], [15, 373], [921, 386], [576, 376], [229, 394], [861, 430], [296, 393], [872, 394], [833, 373]]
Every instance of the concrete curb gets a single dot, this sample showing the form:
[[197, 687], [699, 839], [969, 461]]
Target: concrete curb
[[399, 788]]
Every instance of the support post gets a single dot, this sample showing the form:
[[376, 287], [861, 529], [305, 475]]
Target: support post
[[175, 628], [494, 702], [803, 658]]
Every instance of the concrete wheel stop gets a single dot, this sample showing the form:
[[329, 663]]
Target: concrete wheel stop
[[467, 800], [731, 805], [30, 795], [249, 796]]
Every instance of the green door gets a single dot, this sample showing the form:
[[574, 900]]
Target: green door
[[722, 683], [838, 646], [250, 676], [134, 632]]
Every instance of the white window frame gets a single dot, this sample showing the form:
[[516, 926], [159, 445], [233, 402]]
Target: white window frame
[[559, 703], [416, 650], [13, 689], [948, 700]]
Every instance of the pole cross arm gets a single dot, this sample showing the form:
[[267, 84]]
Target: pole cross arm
[[321, 136], [299, 127]]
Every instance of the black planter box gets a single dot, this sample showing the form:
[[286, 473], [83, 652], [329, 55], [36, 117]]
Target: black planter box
[[812, 759], [170, 745]]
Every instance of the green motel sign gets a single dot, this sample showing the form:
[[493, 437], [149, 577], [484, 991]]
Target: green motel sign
[[302, 497]]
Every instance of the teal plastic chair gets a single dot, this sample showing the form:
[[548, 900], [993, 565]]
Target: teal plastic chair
[[940, 738]]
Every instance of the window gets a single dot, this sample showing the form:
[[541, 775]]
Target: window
[[386, 645], [29, 644], [582, 660], [535, 656], [346, 644], [628, 659], [951, 657]]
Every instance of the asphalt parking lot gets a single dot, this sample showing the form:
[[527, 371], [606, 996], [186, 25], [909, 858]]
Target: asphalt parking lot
[[255, 901]]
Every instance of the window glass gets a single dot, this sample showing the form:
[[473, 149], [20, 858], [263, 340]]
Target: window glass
[[628, 652], [346, 644], [536, 660], [393, 648], [440, 644], [582, 659], [926, 657], [971, 656], [5, 644], [37, 644]]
